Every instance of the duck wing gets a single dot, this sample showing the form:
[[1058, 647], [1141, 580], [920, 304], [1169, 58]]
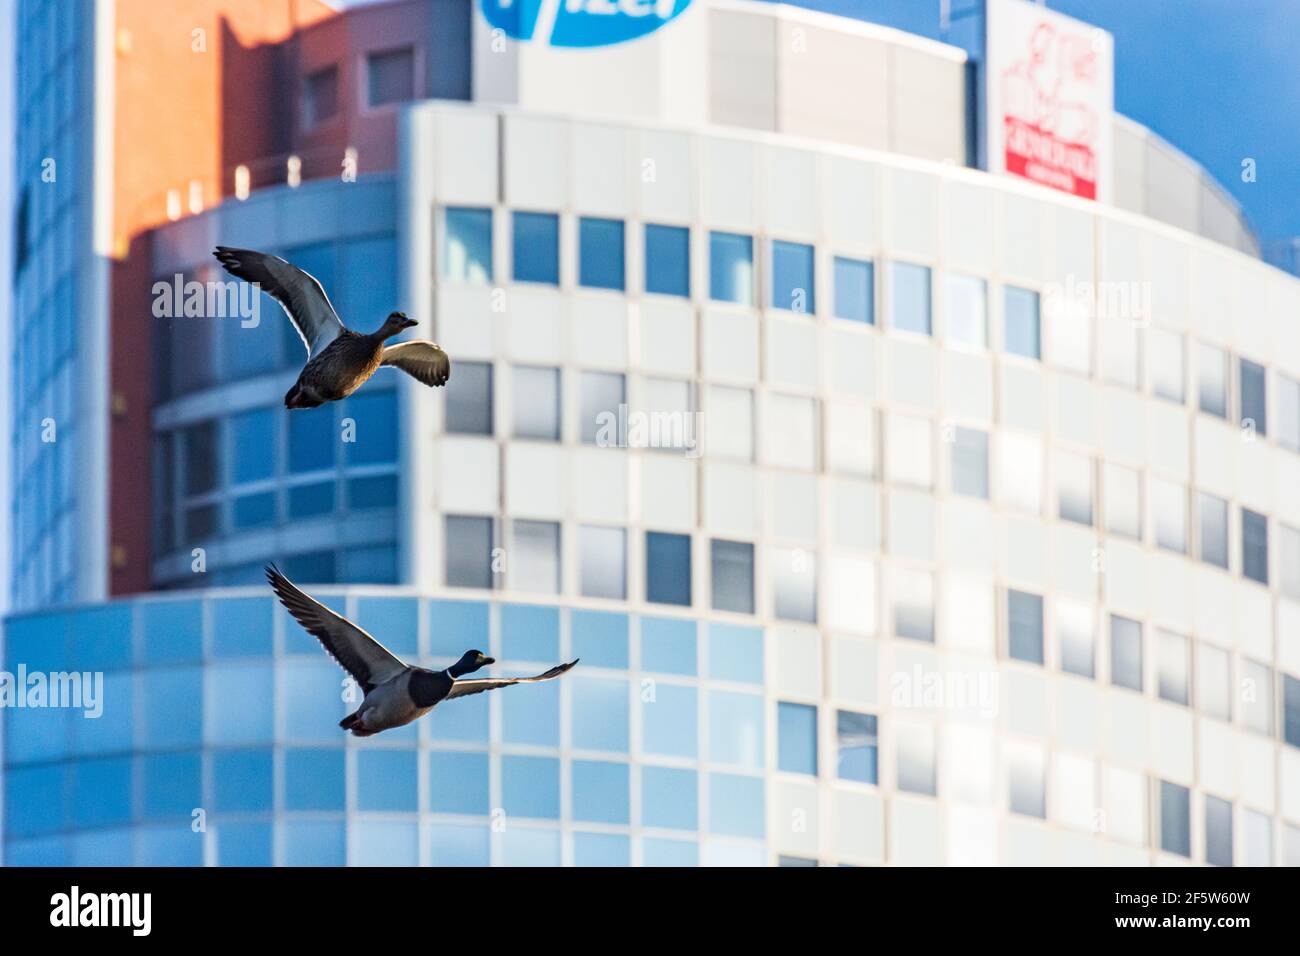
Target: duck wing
[[423, 361], [298, 292], [368, 661], [462, 688]]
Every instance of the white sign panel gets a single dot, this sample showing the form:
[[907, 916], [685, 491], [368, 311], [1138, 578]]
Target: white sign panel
[[1050, 98]]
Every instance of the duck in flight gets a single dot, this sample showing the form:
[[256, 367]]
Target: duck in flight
[[338, 360], [396, 693]]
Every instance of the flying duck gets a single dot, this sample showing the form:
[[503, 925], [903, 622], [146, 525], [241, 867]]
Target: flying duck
[[396, 693], [338, 359]]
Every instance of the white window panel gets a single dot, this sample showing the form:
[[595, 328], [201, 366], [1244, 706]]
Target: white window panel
[[1119, 351], [1026, 778], [729, 429], [1255, 692], [966, 308], [1168, 514], [850, 439], [1076, 637], [1123, 500], [1173, 675], [533, 563], [1212, 380], [1074, 797], [1020, 471], [790, 432], [1074, 487], [1125, 805], [909, 456], [850, 600], [1213, 681], [1166, 364]]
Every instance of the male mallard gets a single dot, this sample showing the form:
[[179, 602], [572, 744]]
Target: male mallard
[[396, 693], [338, 359]]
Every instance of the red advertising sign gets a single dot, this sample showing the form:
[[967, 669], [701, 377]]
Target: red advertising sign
[[1050, 87]]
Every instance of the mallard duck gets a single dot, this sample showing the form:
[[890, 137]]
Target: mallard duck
[[396, 692], [338, 360]]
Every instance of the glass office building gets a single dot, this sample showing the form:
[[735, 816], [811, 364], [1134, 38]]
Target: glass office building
[[899, 513]]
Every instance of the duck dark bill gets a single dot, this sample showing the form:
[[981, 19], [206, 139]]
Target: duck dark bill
[[396, 693], [339, 361]]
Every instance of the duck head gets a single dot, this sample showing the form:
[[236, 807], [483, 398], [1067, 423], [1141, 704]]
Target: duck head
[[469, 662], [395, 324]]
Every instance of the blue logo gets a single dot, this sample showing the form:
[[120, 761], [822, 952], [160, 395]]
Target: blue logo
[[581, 23]]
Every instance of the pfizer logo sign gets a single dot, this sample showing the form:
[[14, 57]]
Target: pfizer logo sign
[[581, 23]]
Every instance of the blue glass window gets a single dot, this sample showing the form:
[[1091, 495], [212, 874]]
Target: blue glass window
[[1020, 322], [668, 260], [796, 738], [468, 552], [383, 843], [101, 637], [793, 278], [530, 787], [456, 844], [600, 791], [668, 645], [242, 780], [736, 728], [101, 792], [387, 780], [452, 844], [910, 296], [314, 779], [311, 439], [731, 268], [111, 731], [657, 852], [599, 638], [456, 626], [736, 805], [34, 799], [600, 714], [1254, 546], [733, 575], [736, 653], [375, 436], [600, 253], [373, 565], [536, 247], [239, 702], [530, 632], [601, 849], [468, 399], [310, 693], [173, 631], [858, 746], [467, 722], [171, 715], [668, 568], [252, 445], [306, 501], [395, 622], [314, 842], [669, 721], [376, 491], [855, 290], [253, 511], [318, 261], [1025, 627], [367, 283], [669, 798], [244, 844], [522, 846], [154, 846], [458, 782], [467, 244], [530, 714]]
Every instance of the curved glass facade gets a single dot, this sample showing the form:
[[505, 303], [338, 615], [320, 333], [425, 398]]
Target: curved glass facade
[[218, 740]]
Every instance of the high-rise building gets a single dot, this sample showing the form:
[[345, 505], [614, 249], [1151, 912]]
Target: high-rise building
[[900, 511]]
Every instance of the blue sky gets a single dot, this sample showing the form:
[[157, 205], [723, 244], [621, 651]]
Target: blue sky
[[1216, 78]]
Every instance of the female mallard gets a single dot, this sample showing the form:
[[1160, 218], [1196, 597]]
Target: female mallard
[[396, 693], [338, 359]]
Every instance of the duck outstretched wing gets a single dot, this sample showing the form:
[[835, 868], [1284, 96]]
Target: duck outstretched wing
[[299, 293], [368, 661], [462, 688], [424, 361]]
